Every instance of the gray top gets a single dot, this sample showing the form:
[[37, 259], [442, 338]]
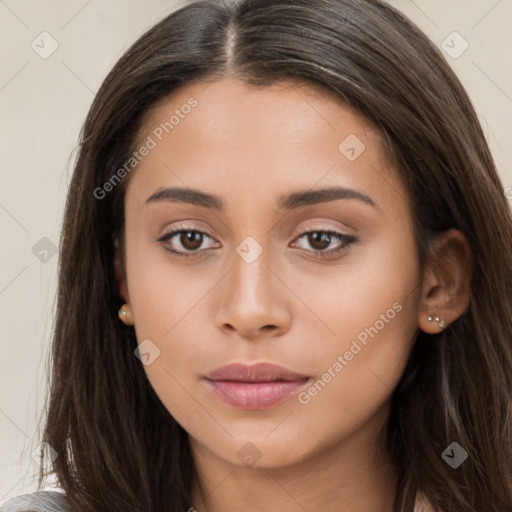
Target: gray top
[[39, 501], [52, 501]]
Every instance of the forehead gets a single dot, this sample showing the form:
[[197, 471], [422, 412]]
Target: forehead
[[230, 104], [262, 139]]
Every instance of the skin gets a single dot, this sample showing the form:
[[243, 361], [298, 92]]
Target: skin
[[250, 146]]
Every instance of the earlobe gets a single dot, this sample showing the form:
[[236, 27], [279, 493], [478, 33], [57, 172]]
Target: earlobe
[[446, 288], [125, 311], [125, 314]]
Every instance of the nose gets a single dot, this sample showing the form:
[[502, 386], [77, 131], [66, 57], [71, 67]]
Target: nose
[[254, 301]]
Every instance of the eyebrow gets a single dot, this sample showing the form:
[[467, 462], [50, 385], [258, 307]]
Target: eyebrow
[[289, 202]]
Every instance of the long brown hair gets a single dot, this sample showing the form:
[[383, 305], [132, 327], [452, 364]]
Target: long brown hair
[[118, 448]]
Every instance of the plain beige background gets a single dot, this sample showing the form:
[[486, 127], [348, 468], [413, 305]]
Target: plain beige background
[[43, 103]]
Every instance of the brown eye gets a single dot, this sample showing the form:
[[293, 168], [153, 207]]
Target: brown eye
[[186, 242], [319, 242], [191, 240]]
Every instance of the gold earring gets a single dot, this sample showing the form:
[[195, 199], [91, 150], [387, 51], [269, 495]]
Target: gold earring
[[440, 322], [125, 314]]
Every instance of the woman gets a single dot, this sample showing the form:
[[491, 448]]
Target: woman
[[285, 274]]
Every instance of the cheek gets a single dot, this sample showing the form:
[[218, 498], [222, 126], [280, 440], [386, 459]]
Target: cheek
[[163, 291], [352, 296], [374, 318], [167, 300], [356, 378]]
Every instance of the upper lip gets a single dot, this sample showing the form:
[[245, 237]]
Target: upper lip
[[259, 372]]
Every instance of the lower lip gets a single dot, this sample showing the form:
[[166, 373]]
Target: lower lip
[[255, 395]]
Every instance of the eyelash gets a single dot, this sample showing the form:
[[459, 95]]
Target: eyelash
[[346, 240]]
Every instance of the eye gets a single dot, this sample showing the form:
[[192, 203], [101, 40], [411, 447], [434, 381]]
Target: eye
[[185, 242], [320, 240]]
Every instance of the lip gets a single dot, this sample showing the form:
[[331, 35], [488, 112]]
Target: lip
[[257, 386]]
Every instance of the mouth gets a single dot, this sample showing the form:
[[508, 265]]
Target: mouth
[[257, 386]]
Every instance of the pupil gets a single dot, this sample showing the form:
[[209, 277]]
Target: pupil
[[319, 240], [191, 239]]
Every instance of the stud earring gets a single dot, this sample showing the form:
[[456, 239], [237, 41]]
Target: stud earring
[[440, 322], [125, 314]]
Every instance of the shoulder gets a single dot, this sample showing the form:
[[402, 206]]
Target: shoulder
[[39, 501]]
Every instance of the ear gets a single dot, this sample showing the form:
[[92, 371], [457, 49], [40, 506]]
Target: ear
[[120, 273], [446, 289]]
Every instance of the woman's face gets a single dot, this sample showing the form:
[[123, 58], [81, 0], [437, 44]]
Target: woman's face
[[246, 173]]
